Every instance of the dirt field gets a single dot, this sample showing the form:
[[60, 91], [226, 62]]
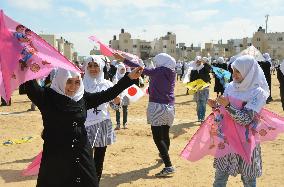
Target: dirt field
[[133, 159]]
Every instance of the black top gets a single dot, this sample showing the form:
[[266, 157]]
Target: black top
[[67, 156], [202, 74]]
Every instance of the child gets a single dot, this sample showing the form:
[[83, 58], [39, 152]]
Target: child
[[98, 123], [67, 158], [161, 110], [237, 125], [200, 72], [120, 72]]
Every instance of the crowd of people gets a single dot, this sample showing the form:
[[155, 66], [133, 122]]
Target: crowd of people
[[76, 105]]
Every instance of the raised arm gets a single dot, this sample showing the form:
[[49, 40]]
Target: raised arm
[[146, 71], [35, 93], [95, 99]]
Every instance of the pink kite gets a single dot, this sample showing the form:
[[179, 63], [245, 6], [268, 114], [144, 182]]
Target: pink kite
[[25, 56], [108, 51], [220, 135], [33, 168]]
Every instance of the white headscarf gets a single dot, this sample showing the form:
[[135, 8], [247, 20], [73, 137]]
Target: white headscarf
[[59, 82], [282, 67], [232, 59], [195, 67], [253, 76], [119, 75], [206, 60], [267, 58], [90, 83], [164, 60], [220, 60]]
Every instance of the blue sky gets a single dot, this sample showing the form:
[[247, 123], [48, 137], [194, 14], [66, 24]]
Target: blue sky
[[193, 21]]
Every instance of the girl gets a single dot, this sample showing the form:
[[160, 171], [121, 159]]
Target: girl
[[98, 123], [250, 87], [238, 124], [160, 112], [200, 72], [120, 72], [67, 156]]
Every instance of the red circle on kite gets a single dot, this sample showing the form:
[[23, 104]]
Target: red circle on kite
[[132, 91]]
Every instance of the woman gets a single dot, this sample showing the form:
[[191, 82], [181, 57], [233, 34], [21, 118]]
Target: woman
[[67, 155], [200, 72], [280, 77], [121, 72], [219, 88], [98, 123], [161, 110]]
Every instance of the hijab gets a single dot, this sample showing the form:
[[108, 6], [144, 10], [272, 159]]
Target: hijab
[[90, 83], [220, 60], [119, 75], [267, 57], [164, 60], [195, 67], [59, 82], [253, 88]]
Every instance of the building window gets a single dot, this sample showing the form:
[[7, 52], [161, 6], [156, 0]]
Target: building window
[[258, 48], [134, 46], [125, 50], [249, 44], [280, 39], [241, 45], [165, 46], [258, 39]]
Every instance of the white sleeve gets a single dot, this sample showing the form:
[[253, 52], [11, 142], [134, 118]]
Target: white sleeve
[[257, 101]]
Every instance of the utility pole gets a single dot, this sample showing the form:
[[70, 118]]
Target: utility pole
[[266, 20]]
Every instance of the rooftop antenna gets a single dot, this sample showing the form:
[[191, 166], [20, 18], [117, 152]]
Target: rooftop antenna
[[266, 20]]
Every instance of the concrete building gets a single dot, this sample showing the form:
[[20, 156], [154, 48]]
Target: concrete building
[[272, 43], [165, 44], [185, 53], [142, 48], [63, 46], [49, 38]]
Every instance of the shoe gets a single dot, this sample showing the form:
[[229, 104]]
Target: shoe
[[125, 126], [167, 171], [117, 127]]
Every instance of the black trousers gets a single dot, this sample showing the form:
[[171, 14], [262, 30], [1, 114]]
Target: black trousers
[[282, 94], [99, 157], [162, 141]]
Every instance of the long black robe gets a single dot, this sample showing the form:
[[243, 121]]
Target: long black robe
[[280, 77], [67, 155]]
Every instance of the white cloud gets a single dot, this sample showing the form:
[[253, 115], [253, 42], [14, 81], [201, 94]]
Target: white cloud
[[232, 29], [31, 4], [200, 15], [275, 24], [68, 11], [123, 3]]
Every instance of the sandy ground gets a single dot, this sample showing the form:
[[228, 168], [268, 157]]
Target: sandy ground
[[133, 159]]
